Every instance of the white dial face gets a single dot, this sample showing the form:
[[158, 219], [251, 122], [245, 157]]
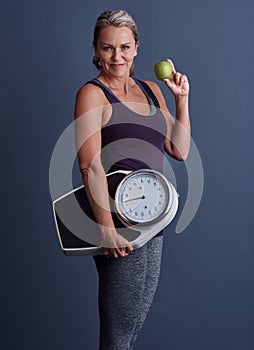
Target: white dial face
[[143, 197]]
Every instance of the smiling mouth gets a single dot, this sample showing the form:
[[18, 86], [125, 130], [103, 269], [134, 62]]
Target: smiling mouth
[[117, 65]]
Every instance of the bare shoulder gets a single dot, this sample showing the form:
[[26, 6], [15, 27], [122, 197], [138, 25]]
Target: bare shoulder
[[88, 97], [152, 84], [158, 93]]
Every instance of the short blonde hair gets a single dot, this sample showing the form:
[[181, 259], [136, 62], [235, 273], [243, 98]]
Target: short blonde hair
[[117, 18]]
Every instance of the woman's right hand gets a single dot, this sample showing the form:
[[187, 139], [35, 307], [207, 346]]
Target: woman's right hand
[[114, 245]]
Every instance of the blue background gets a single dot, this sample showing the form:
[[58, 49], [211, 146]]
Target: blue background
[[205, 296]]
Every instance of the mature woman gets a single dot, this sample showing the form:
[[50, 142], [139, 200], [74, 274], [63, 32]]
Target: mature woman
[[117, 108]]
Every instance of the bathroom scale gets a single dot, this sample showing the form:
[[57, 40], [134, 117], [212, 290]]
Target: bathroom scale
[[142, 203]]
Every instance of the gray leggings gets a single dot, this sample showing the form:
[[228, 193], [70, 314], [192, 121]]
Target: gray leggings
[[126, 289]]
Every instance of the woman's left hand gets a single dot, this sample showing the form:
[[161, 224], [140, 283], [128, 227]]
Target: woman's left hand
[[177, 83]]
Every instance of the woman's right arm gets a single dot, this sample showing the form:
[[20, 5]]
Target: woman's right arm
[[88, 114]]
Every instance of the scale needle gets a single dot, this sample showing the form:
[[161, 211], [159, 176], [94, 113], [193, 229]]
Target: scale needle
[[133, 199]]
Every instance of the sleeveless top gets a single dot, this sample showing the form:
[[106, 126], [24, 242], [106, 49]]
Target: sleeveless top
[[131, 141]]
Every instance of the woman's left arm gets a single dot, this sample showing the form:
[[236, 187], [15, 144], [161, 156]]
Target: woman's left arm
[[177, 142]]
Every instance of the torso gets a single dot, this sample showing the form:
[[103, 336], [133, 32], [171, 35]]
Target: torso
[[133, 132]]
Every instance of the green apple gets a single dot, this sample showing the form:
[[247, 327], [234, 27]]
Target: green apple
[[163, 70]]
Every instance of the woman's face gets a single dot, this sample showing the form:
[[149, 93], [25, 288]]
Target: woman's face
[[116, 49]]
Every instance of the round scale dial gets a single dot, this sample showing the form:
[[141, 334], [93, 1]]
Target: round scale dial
[[142, 197]]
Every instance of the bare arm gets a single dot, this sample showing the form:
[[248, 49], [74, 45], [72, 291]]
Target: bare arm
[[88, 123], [177, 143]]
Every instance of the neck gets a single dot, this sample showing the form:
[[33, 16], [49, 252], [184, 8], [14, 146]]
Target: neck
[[116, 84]]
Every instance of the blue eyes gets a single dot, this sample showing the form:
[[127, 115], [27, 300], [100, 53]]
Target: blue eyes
[[109, 48]]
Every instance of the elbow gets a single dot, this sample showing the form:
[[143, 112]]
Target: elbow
[[181, 156], [178, 152], [89, 171], [84, 170]]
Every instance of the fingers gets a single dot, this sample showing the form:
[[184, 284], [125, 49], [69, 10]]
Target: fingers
[[118, 252], [105, 252], [129, 249], [172, 64], [115, 252], [183, 80], [178, 78], [116, 246]]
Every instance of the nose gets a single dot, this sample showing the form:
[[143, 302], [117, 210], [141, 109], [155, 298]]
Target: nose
[[116, 54]]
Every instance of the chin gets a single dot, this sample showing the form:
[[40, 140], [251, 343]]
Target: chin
[[120, 71]]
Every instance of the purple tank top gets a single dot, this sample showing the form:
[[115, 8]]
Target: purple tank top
[[131, 141]]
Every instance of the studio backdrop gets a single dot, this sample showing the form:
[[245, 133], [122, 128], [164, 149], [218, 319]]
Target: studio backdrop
[[205, 296]]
